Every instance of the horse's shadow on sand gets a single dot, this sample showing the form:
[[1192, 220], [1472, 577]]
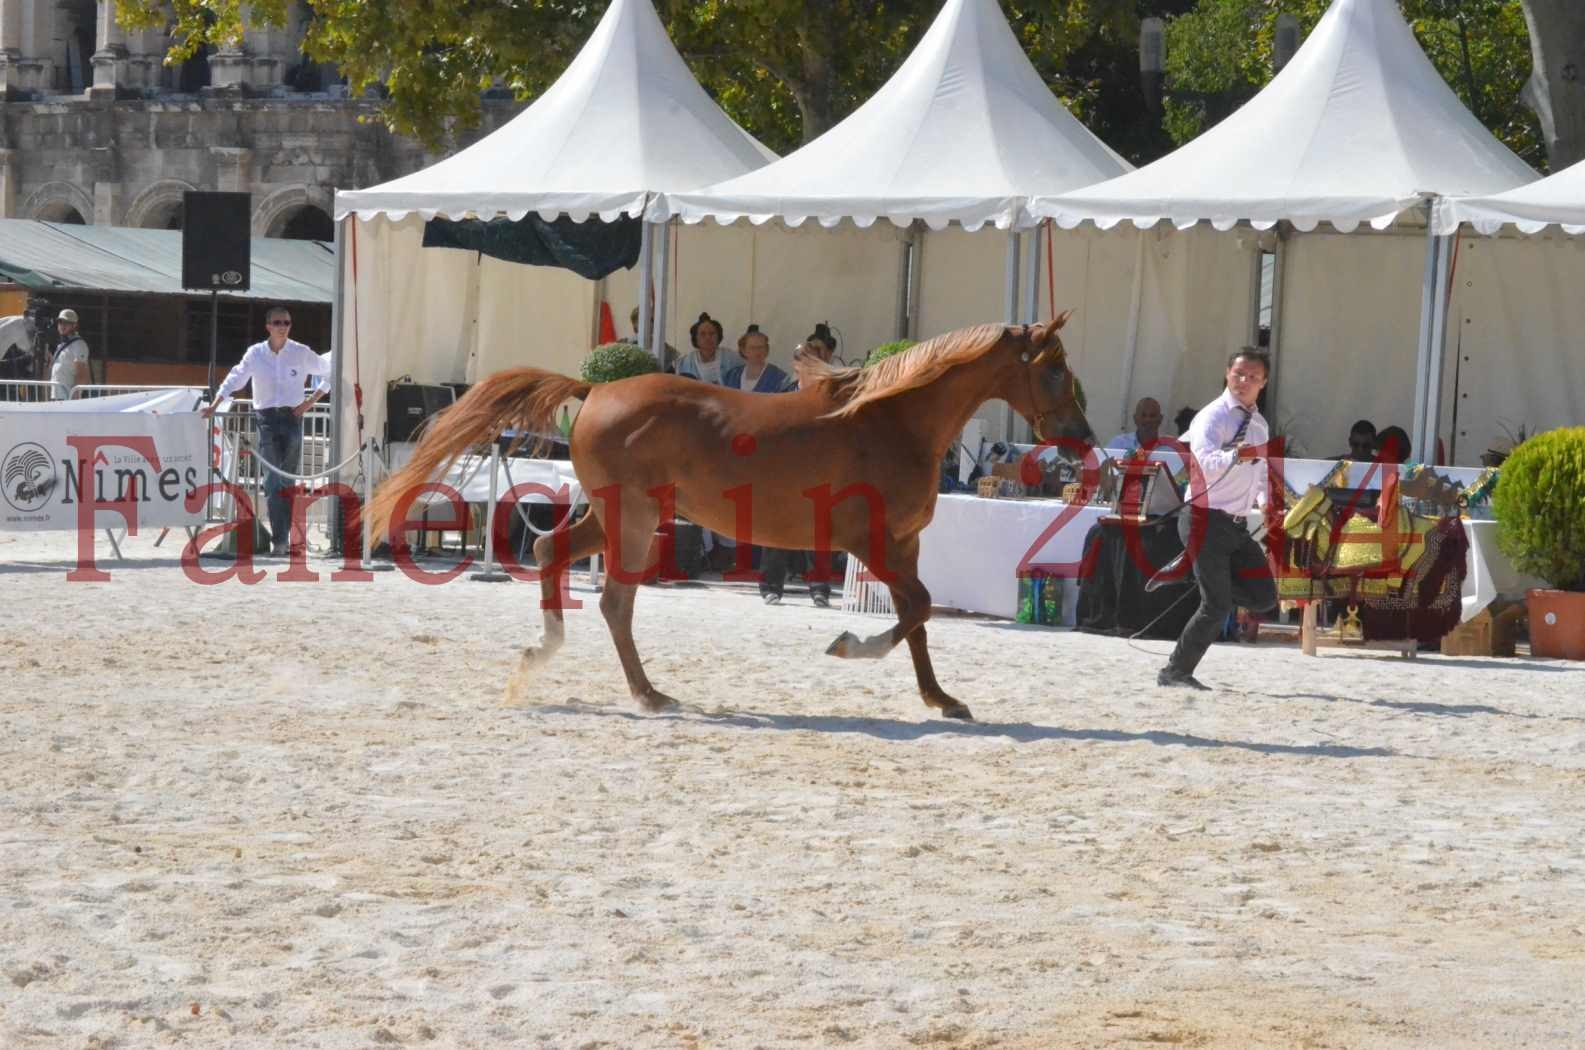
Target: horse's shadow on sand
[[898, 731]]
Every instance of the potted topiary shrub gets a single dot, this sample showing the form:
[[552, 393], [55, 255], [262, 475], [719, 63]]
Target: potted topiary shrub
[[609, 362], [885, 350], [1539, 504]]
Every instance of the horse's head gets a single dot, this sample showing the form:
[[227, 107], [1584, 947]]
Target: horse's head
[[1042, 388]]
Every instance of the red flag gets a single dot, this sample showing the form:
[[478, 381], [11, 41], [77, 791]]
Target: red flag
[[607, 325]]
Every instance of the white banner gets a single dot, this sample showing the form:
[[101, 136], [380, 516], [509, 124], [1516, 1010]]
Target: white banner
[[124, 461]]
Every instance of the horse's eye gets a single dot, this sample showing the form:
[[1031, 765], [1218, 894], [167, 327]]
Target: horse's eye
[[1056, 371]]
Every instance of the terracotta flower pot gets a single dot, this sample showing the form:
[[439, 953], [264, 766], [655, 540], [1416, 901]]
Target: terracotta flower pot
[[1557, 623]]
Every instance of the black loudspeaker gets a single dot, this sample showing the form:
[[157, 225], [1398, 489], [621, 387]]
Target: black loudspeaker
[[408, 404], [217, 241]]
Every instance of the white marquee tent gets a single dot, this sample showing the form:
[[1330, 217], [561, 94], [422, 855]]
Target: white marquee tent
[[626, 120], [1519, 307], [1556, 200], [962, 134], [1358, 128]]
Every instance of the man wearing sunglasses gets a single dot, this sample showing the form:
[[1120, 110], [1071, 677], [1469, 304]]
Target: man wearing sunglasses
[[278, 368]]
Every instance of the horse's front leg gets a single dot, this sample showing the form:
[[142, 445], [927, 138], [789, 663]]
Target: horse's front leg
[[911, 600], [628, 540]]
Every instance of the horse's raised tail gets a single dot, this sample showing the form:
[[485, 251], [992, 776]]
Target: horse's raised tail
[[521, 398]]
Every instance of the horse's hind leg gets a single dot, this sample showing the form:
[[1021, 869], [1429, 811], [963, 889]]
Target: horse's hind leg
[[585, 537], [627, 554], [911, 599], [929, 688]]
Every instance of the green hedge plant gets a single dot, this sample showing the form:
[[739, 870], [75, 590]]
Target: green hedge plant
[[1540, 507], [609, 362], [885, 350]]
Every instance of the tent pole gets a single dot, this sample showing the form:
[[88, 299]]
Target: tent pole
[[915, 279], [644, 245], [337, 315], [904, 283], [1422, 357], [1011, 315], [1279, 270], [1433, 396], [1031, 312], [1428, 358], [1131, 342], [662, 293]]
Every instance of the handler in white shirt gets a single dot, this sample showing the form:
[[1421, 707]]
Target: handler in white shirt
[[1226, 438], [278, 368]]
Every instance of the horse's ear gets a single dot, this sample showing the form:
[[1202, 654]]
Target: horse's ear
[[1044, 337]]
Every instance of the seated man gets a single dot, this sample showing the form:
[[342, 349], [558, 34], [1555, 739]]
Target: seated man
[[1147, 427], [1361, 442], [1392, 445]]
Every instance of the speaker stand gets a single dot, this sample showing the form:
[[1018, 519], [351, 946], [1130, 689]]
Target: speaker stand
[[214, 339]]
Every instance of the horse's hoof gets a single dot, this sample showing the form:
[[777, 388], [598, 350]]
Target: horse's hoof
[[957, 710], [517, 681], [845, 646], [655, 700]]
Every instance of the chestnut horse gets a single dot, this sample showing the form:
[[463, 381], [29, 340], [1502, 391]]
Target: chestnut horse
[[764, 468]]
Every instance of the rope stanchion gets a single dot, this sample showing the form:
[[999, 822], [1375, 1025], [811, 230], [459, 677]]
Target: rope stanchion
[[490, 574], [366, 562], [594, 559], [278, 472], [528, 524]]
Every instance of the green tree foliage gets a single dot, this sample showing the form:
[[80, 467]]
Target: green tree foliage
[[784, 69], [1220, 54], [788, 69]]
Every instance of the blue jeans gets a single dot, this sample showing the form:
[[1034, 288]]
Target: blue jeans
[[281, 446]]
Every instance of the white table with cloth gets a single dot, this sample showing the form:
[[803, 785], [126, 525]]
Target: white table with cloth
[[1490, 575], [470, 477], [970, 552]]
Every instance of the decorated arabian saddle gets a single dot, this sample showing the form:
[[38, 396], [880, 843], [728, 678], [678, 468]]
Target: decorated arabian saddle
[[1400, 572]]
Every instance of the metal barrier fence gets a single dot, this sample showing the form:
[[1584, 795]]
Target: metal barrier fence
[[239, 431], [87, 390], [31, 390], [27, 390]]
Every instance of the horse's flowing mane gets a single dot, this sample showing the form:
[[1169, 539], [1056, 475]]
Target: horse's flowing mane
[[853, 388]]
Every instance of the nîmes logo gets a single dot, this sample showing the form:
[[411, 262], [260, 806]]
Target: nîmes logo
[[27, 477]]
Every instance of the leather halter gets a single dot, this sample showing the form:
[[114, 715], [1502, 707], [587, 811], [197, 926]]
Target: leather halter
[[1038, 423]]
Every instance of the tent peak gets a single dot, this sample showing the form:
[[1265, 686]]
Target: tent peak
[[1357, 127]]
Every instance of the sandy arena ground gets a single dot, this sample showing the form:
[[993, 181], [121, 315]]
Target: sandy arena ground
[[297, 815]]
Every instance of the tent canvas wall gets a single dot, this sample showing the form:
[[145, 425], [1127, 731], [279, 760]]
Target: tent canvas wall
[[1155, 311], [1515, 355]]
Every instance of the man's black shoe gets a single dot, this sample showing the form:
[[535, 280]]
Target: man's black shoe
[[1179, 679]]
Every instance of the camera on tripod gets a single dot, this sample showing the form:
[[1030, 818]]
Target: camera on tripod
[[40, 315]]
